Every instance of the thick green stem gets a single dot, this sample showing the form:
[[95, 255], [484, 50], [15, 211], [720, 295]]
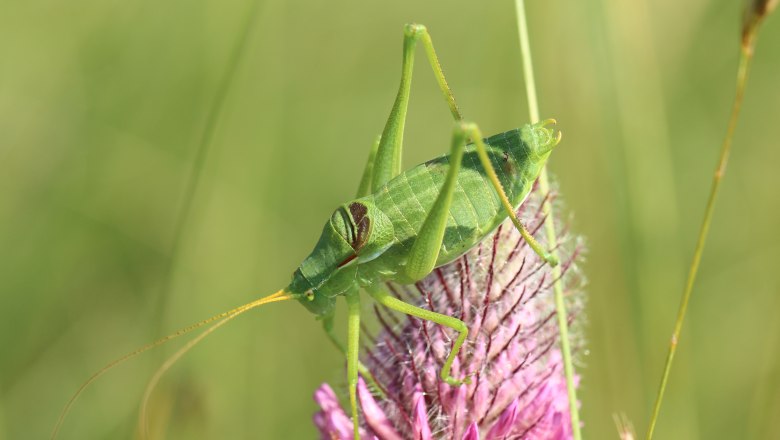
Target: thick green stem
[[744, 63], [549, 226]]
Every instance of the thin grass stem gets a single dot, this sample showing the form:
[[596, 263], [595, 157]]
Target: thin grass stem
[[746, 55], [549, 225]]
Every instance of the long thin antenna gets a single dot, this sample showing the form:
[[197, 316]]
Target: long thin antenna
[[278, 296], [142, 419]]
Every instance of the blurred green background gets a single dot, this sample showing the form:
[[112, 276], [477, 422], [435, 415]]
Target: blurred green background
[[103, 106]]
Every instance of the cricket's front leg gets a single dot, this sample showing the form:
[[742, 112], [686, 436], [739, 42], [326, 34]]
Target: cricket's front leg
[[353, 337], [327, 326], [393, 303]]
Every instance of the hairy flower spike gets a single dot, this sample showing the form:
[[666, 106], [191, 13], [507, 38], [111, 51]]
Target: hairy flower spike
[[503, 291]]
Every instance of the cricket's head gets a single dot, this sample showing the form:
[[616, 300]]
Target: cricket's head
[[541, 139], [356, 232]]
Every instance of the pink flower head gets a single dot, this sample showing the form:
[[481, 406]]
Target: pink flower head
[[503, 291]]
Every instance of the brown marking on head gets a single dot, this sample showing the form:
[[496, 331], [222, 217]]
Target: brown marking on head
[[347, 260], [362, 223]]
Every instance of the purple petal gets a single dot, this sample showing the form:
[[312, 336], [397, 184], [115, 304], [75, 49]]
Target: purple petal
[[472, 432], [505, 423], [326, 398], [331, 421], [480, 400], [374, 416], [333, 425], [422, 431], [340, 425]]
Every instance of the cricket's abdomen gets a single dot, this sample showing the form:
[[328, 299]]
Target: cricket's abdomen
[[476, 208]]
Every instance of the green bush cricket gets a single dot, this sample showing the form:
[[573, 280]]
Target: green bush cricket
[[402, 225]]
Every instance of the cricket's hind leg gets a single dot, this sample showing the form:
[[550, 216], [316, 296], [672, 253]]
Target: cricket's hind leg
[[425, 250], [384, 161], [472, 131]]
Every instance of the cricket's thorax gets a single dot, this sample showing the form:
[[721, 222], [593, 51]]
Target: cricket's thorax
[[368, 240]]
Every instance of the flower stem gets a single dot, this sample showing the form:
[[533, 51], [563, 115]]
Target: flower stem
[[746, 55], [549, 225]]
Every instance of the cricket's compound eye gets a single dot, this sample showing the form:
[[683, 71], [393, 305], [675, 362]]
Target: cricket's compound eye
[[362, 225]]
